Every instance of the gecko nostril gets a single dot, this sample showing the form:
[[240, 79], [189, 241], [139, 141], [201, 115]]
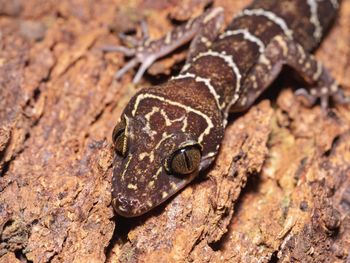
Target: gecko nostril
[[127, 207], [120, 206]]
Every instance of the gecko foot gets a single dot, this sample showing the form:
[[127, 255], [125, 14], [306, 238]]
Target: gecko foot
[[139, 53], [325, 94], [145, 52]]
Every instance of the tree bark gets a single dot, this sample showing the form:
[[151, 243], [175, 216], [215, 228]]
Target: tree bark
[[279, 190]]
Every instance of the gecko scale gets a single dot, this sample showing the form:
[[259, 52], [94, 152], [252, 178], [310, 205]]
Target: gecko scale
[[169, 133]]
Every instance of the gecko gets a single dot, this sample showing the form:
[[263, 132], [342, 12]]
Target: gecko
[[169, 133]]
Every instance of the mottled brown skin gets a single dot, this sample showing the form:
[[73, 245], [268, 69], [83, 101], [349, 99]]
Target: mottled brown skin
[[142, 172], [219, 77]]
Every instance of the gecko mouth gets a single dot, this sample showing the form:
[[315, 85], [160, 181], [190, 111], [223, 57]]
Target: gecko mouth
[[128, 205]]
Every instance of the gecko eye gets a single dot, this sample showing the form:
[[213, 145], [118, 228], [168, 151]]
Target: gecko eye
[[119, 138], [185, 160]]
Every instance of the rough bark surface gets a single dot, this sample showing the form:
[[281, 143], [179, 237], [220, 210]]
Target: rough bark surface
[[278, 192]]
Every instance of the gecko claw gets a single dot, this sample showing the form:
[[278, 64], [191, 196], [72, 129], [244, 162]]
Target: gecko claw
[[335, 93]]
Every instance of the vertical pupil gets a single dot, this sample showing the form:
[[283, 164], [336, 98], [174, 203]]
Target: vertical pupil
[[118, 134], [187, 161], [183, 161]]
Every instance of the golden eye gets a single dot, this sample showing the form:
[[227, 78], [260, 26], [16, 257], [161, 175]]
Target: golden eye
[[119, 138], [184, 161]]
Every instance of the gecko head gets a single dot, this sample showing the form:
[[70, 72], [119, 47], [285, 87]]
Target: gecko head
[[155, 158]]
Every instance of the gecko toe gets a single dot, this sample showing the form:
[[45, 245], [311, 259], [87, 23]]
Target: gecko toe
[[134, 41], [324, 102], [129, 52], [309, 96]]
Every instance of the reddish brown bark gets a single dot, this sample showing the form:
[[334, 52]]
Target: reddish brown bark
[[278, 192]]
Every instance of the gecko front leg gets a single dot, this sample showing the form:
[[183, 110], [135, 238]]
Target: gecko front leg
[[202, 29], [284, 51]]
